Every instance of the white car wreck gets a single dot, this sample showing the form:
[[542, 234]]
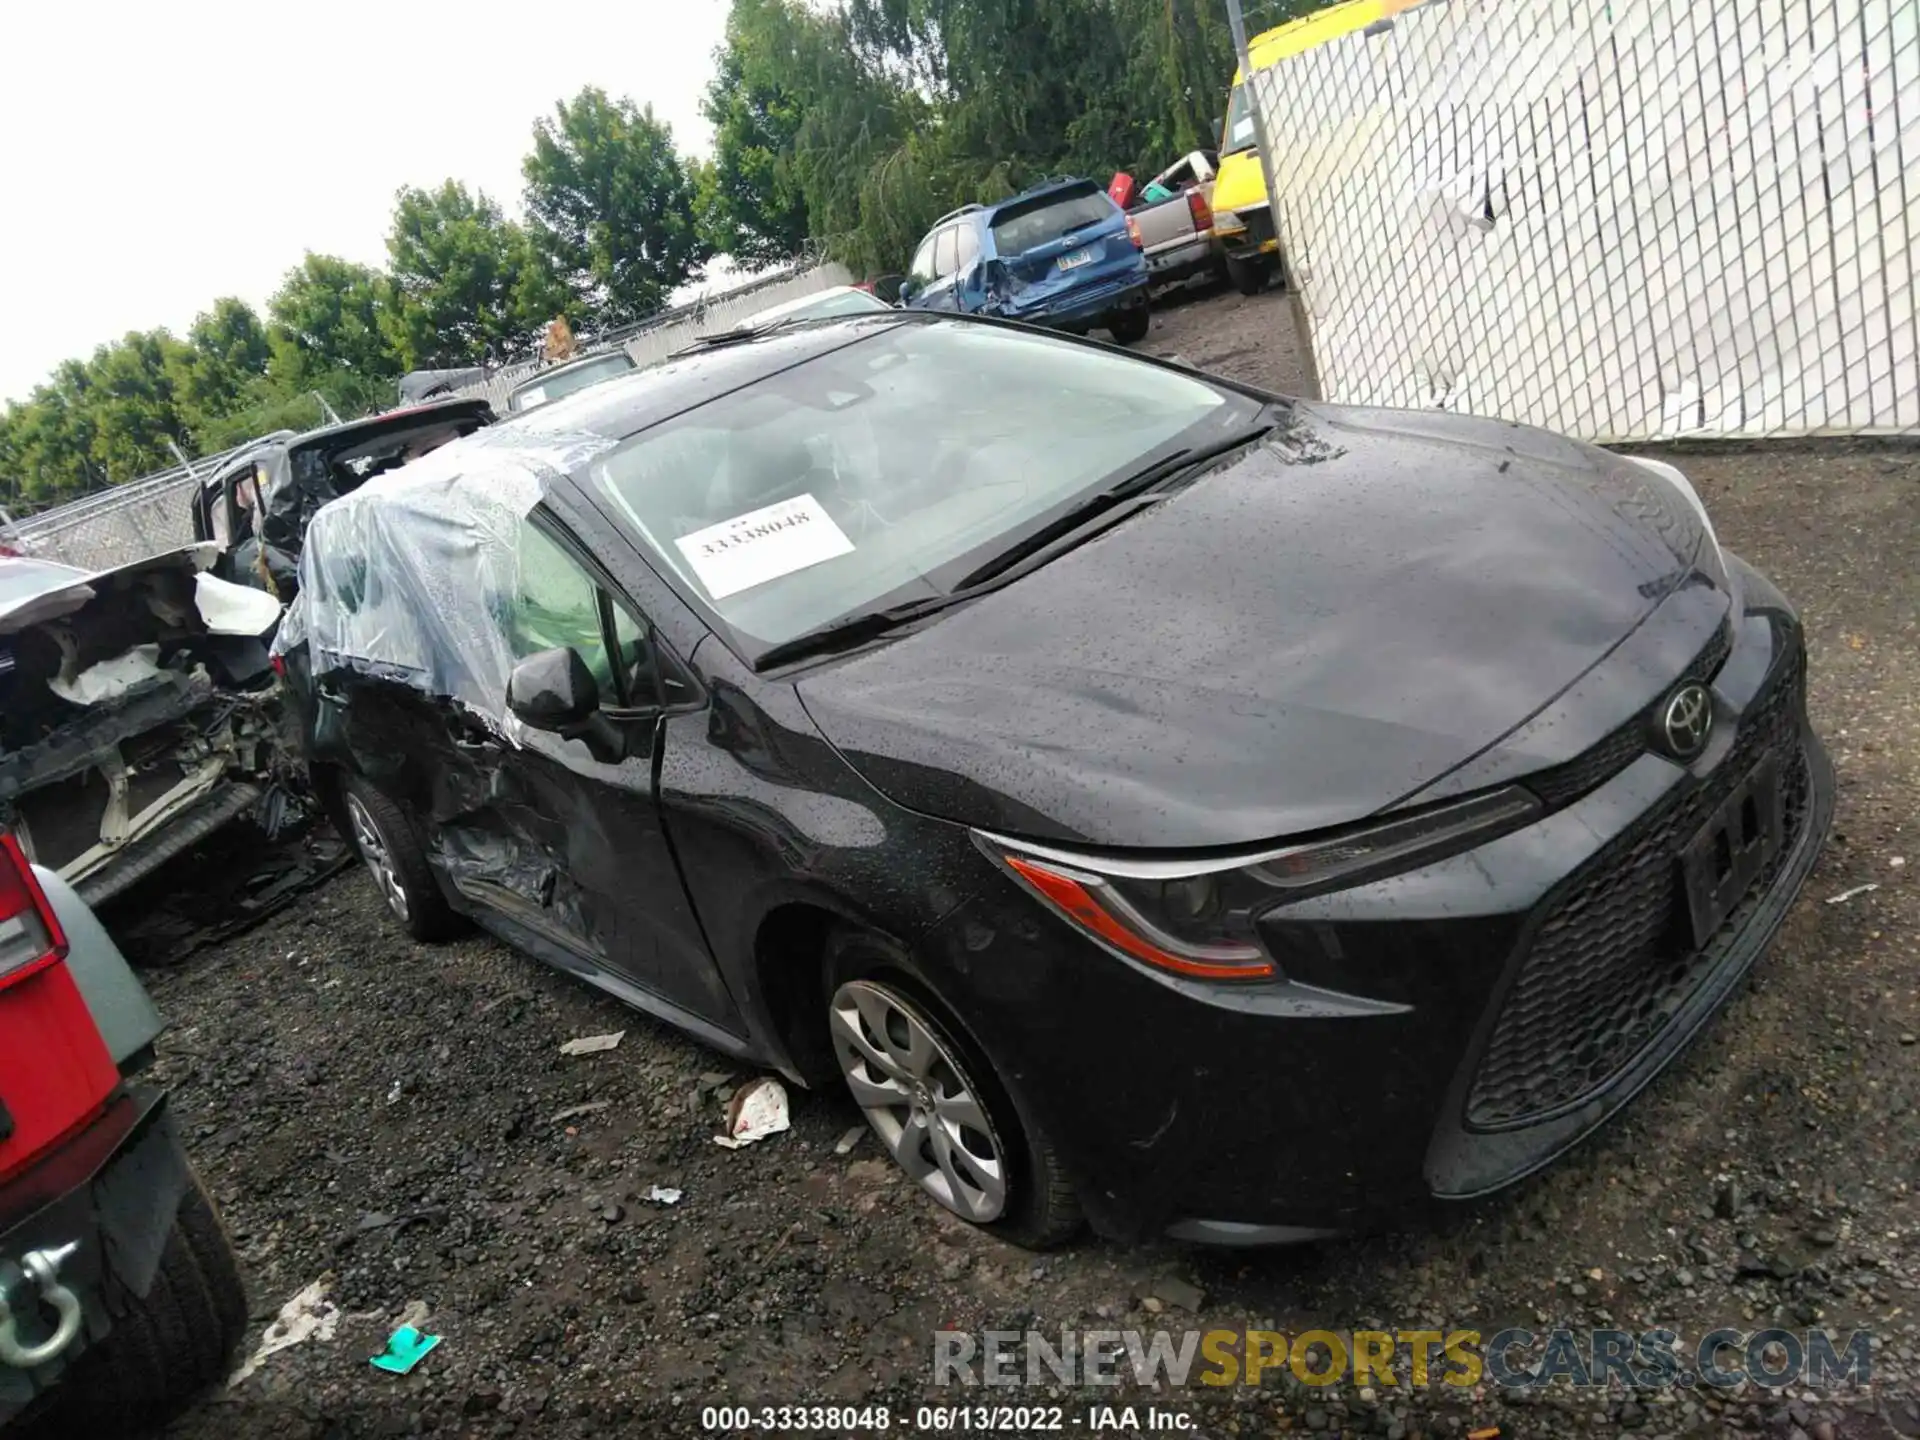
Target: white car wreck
[[139, 711]]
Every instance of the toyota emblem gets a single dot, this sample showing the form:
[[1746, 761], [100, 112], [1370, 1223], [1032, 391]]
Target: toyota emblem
[[1685, 721]]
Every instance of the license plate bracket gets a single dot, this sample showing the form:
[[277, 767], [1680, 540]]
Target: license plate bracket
[[1728, 853]]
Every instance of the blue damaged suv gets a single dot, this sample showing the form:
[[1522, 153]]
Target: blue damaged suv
[[1060, 254]]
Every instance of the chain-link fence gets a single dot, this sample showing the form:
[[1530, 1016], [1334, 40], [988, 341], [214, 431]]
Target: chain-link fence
[[145, 516], [1622, 219], [659, 336]]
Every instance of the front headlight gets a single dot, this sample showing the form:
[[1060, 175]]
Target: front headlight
[[1225, 222], [1194, 915]]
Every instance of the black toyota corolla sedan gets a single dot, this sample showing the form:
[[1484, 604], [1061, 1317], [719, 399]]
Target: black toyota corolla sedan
[[1155, 800]]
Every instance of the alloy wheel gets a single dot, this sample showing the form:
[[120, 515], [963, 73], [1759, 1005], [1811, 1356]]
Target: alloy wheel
[[918, 1100], [377, 855]]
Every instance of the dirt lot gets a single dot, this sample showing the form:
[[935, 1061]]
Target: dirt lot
[[396, 1117]]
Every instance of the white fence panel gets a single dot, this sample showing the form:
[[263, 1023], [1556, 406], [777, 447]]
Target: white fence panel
[[1623, 219]]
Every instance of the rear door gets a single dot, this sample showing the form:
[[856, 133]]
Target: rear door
[[1062, 239], [940, 289], [590, 866]]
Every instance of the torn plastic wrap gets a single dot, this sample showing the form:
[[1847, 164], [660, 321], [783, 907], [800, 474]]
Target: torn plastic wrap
[[412, 578]]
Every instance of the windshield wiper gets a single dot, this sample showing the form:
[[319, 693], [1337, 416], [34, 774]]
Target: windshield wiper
[[1134, 486], [851, 629], [864, 625]]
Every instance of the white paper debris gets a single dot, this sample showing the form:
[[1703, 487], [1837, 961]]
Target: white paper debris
[[758, 1109], [229, 609], [307, 1316], [107, 678], [849, 1140], [763, 545], [664, 1195], [1846, 895], [593, 1044]]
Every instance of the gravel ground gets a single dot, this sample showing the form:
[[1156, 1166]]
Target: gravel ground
[[400, 1119]]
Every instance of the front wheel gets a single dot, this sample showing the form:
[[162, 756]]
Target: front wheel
[[390, 848], [935, 1103], [1129, 327], [1249, 276]]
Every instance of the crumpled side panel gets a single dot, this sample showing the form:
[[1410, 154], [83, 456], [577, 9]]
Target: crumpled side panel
[[411, 577]]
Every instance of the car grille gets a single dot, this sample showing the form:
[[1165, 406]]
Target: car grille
[[1566, 783], [1614, 960]]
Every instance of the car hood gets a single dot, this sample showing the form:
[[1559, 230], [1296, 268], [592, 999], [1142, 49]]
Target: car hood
[[1300, 638]]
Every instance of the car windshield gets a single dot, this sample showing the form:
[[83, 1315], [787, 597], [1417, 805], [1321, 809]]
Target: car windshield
[[869, 475], [565, 383], [1240, 132], [1026, 224]]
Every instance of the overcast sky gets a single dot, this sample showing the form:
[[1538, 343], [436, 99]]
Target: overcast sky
[[162, 155]]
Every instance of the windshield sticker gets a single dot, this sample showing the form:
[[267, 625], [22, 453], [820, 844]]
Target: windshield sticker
[[763, 545]]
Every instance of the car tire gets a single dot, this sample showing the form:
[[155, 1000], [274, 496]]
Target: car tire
[[1129, 327], [870, 989], [390, 847], [1249, 277], [169, 1345]]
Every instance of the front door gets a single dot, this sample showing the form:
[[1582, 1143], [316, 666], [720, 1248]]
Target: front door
[[593, 869]]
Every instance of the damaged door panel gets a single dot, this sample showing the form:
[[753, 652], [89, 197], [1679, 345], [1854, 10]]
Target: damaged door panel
[[561, 836], [138, 712]]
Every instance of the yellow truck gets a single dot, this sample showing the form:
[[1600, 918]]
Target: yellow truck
[[1242, 219]]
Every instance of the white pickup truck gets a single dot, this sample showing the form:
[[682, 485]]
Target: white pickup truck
[[1176, 234]]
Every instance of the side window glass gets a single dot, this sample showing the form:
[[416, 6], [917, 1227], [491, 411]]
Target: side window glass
[[943, 251], [922, 268], [969, 247], [555, 605]]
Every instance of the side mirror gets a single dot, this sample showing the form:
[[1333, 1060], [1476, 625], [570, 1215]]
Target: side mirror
[[553, 690], [909, 288], [1220, 125]]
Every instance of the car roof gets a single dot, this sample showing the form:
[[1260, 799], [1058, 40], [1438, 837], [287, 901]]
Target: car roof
[[352, 432], [801, 302], [627, 404], [541, 377]]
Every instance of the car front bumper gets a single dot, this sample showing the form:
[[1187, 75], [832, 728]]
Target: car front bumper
[[113, 1191], [1420, 1047]]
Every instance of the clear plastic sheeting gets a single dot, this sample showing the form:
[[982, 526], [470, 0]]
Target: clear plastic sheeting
[[415, 578]]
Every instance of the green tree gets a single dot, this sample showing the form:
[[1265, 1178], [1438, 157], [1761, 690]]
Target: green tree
[[223, 363], [135, 406], [326, 318], [750, 201], [610, 206], [467, 285]]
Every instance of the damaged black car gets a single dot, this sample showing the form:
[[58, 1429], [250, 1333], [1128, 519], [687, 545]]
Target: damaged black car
[[254, 509], [139, 712], [1155, 800]]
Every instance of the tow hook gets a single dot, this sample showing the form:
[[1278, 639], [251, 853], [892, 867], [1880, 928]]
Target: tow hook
[[39, 1276]]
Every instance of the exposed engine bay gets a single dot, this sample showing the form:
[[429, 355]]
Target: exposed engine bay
[[139, 711]]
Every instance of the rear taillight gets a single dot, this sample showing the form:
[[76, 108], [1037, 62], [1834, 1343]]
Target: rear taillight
[[56, 1073], [1133, 233], [30, 933], [1201, 211], [279, 663]]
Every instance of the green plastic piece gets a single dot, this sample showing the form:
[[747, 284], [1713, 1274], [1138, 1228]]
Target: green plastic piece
[[406, 1348]]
